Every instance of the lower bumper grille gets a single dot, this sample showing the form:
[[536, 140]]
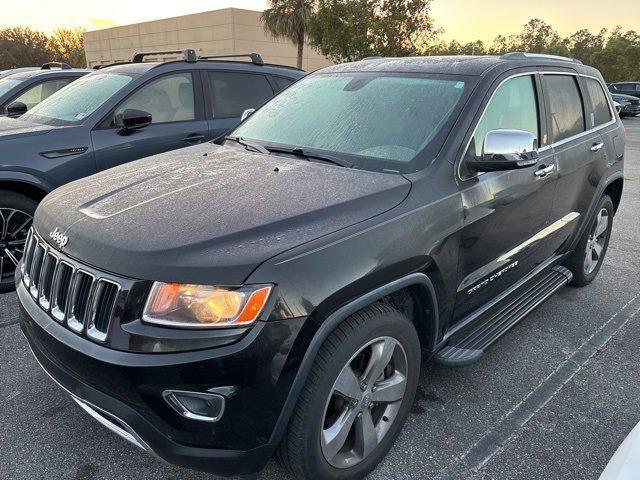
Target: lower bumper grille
[[67, 291]]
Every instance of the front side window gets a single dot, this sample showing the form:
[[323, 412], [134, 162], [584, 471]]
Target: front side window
[[233, 93], [78, 100], [601, 112], [565, 106], [513, 106], [381, 121], [37, 93], [168, 99], [7, 84]]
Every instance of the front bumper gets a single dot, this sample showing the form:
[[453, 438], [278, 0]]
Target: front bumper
[[629, 109], [123, 390]]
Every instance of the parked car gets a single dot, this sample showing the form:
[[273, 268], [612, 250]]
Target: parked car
[[629, 105], [20, 92], [276, 291], [626, 88], [11, 71], [118, 114]]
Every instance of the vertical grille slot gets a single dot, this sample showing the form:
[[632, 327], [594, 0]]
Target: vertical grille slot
[[46, 277], [79, 301], [104, 302], [25, 266], [34, 272], [60, 290]]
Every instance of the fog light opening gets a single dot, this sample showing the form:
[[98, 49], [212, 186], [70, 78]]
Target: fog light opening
[[203, 407]]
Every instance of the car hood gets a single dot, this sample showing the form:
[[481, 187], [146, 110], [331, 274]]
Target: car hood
[[209, 214], [15, 127], [621, 97]]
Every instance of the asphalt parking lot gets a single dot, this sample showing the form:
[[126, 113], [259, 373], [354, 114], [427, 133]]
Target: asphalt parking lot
[[552, 400]]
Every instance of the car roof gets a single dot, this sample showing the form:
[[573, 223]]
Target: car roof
[[45, 73], [459, 64]]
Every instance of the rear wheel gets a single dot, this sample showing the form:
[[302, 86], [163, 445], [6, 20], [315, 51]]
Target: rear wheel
[[16, 216], [356, 399], [586, 260]]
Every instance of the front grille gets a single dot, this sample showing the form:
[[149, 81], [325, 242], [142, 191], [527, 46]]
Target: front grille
[[635, 102], [67, 291]]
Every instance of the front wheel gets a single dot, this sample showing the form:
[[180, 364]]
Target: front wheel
[[586, 260], [16, 215], [356, 398]]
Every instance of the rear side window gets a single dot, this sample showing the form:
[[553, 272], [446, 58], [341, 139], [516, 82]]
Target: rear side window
[[513, 106], [565, 106], [34, 95], [233, 93], [601, 112], [168, 99], [282, 82]]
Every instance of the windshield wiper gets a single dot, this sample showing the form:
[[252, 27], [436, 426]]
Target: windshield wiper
[[301, 152], [253, 146]]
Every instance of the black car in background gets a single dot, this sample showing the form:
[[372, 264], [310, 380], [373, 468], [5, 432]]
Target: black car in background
[[626, 88], [277, 290], [21, 91], [629, 105], [118, 114]]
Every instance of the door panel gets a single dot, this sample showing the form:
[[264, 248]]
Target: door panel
[[177, 122], [506, 213]]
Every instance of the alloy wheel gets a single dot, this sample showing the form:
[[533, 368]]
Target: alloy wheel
[[596, 242], [14, 226], [364, 402]]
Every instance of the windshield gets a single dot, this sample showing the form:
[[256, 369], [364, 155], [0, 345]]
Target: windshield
[[381, 121], [78, 100], [7, 84]]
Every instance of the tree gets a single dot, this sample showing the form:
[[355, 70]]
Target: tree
[[289, 19], [354, 29], [66, 45], [21, 46]]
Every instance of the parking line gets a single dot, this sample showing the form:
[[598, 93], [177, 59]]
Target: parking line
[[495, 439]]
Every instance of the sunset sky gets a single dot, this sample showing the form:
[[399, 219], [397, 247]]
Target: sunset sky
[[463, 20]]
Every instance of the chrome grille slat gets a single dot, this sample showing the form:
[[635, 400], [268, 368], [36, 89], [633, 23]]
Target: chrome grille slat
[[86, 302]]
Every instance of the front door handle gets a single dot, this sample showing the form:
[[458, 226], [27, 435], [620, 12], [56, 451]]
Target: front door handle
[[195, 138], [543, 171], [597, 146]]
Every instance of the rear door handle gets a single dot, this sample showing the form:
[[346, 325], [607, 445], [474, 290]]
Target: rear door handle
[[195, 138], [543, 171], [597, 146]]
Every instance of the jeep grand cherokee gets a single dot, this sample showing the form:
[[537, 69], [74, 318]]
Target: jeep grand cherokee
[[276, 293]]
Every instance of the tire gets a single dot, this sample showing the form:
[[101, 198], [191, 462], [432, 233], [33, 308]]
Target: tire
[[18, 210], [583, 269], [377, 328]]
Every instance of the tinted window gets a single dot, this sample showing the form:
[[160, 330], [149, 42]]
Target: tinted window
[[513, 106], [282, 82], [565, 106], [37, 93], [601, 113], [7, 84], [368, 115], [79, 100], [168, 99], [233, 93]]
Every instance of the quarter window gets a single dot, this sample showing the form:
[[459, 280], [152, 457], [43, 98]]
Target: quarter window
[[168, 99], [282, 82], [565, 106], [513, 106], [36, 94], [601, 112], [233, 93]]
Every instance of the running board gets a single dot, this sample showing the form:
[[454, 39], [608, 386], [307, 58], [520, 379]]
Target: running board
[[469, 344]]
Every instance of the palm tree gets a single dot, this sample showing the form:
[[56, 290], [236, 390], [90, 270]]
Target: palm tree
[[289, 19]]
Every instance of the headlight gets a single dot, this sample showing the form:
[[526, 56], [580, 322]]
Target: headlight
[[204, 306]]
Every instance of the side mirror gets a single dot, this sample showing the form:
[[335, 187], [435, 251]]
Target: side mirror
[[247, 113], [132, 119], [16, 109], [506, 150]]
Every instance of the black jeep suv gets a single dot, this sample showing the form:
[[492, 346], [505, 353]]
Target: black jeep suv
[[277, 291]]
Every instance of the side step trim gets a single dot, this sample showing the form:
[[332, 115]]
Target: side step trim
[[468, 344]]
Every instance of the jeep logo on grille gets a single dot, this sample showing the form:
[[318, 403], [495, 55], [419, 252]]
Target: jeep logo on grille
[[58, 238]]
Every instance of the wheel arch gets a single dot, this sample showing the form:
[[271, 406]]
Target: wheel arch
[[614, 190], [24, 184], [417, 286]]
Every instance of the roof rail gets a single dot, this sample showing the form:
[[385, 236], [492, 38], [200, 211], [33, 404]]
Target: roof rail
[[188, 54], [256, 59], [525, 55], [373, 57], [60, 65]]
